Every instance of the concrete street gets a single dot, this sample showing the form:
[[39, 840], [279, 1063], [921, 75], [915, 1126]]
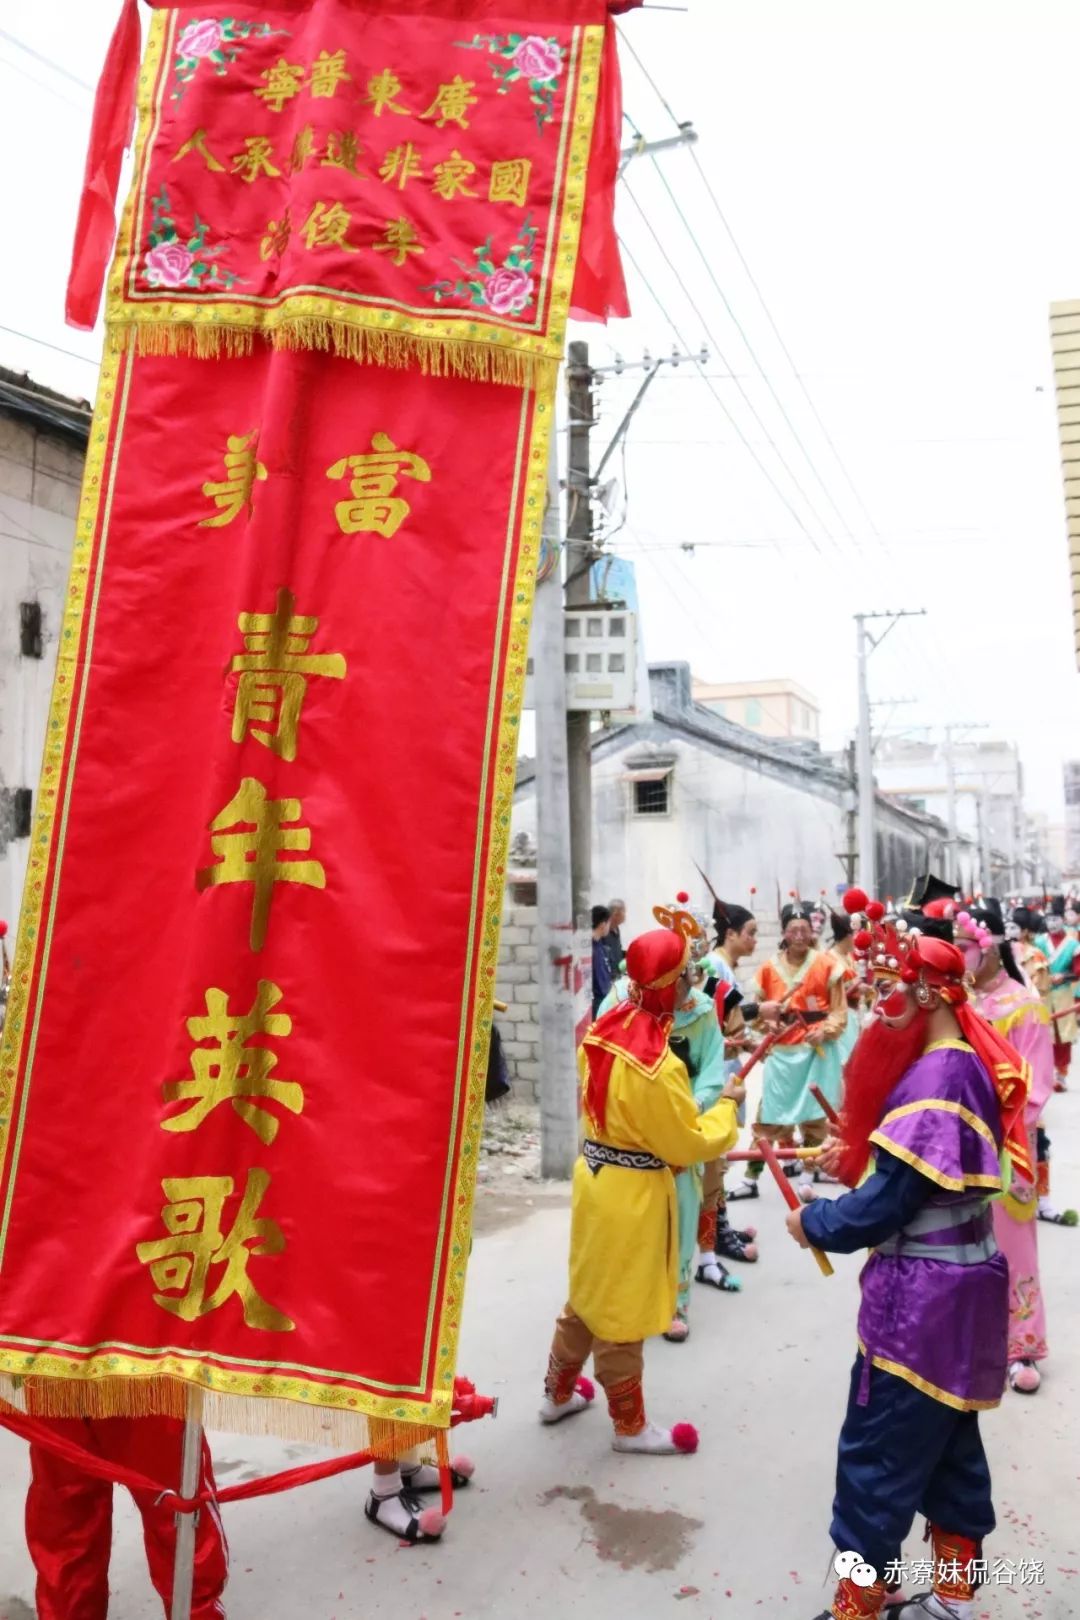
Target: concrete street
[[556, 1524]]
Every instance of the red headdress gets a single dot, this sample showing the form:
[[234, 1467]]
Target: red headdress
[[899, 950], [637, 1030]]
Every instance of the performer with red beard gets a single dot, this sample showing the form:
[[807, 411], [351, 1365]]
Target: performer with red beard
[[936, 1095]]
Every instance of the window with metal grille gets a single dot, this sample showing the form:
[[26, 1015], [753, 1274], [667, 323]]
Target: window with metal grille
[[30, 643], [22, 801], [652, 798]]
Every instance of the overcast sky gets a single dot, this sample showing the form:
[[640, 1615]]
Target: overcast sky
[[900, 177]]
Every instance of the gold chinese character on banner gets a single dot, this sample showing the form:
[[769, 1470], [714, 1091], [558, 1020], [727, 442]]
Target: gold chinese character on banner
[[401, 164], [374, 478], [283, 81], [242, 472], [180, 1264], [255, 159], [274, 673], [382, 89], [303, 148], [249, 837], [452, 177], [277, 237], [197, 143], [326, 225], [327, 72], [510, 181], [230, 1070], [343, 151], [452, 103], [399, 239]]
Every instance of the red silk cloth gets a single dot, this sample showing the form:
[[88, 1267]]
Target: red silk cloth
[[355, 177], [264, 887]]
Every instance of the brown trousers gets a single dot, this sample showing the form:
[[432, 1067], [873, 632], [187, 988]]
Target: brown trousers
[[814, 1133], [574, 1342]]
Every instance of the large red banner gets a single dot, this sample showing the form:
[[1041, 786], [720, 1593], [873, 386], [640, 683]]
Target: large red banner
[[246, 1041], [242, 1074]]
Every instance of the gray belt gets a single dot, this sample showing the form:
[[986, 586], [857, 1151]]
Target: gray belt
[[597, 1154], [961, 1233]]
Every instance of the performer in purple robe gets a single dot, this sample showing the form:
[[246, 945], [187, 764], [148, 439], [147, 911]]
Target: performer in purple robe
[[936, 1094]]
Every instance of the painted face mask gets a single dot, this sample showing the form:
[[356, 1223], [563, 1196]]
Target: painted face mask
[[895, 1004]]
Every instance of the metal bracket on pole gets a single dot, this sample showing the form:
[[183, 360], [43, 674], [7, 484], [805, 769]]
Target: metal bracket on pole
[[687, 136]]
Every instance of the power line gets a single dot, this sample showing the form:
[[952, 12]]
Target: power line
[[42, 84], [47, 61], [751, 351], [746, 442], [29, 338]]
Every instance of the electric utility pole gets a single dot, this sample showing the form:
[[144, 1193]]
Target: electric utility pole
[[865, 644], [558, 1069], [579, 561]]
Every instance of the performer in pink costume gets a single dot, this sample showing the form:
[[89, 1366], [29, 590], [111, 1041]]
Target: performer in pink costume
[[1019, 1013]]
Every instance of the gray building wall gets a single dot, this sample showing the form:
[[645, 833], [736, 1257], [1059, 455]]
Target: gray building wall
[[753, 813], [40, 477]]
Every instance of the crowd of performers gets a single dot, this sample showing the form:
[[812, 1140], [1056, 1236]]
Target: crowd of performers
[[907, 1055]]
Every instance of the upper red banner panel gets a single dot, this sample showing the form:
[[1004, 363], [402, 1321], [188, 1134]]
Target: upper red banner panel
[[340, 179]]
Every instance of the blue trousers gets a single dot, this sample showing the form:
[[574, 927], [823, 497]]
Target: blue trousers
[[901, 1454]]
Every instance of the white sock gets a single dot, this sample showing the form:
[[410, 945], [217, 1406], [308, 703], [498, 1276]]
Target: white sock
[[950, 1608], [707, 1259], [387, 1484], [423, 1476], [1046, 1207]]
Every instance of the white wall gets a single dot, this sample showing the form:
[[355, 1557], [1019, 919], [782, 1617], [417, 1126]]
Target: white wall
[[39, 492], [744, 829]]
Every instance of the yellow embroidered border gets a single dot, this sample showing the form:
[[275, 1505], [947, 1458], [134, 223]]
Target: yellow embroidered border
[[432, 344], [898, 1370], [941, 1105], [950, 1183]]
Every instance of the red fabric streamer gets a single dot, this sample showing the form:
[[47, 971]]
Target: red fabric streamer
[[599, 284], [40, 1432], [110, 133]]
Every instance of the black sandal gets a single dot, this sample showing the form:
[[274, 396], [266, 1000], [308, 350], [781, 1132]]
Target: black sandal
[[459, 1481], [745, 1189], [731, 1245], [412, 1507]]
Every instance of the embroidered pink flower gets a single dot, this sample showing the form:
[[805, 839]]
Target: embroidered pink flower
[[508, 291], [200, 39], [168, 265], [537, 58]]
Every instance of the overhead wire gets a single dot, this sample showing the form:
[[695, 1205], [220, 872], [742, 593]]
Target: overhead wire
[[46, 61], [734, 422], [933, 650], [747, 443]]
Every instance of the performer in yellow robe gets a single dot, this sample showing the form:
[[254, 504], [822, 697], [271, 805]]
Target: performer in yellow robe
[[641, 1122]]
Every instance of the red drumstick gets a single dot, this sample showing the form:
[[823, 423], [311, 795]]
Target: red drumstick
[[790, 1196]]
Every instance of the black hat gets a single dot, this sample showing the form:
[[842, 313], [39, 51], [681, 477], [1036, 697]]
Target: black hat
[[796, 911], [932, 927], [927, 888], [989, 913]]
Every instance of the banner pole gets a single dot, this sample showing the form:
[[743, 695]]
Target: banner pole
[[190, 1473]]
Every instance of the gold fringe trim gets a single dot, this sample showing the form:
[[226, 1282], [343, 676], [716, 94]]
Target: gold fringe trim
[[436, 356], [227, 1414]]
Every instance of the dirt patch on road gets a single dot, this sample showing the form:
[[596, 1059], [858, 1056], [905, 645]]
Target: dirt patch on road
[[508, 1184], [634, 1538]]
